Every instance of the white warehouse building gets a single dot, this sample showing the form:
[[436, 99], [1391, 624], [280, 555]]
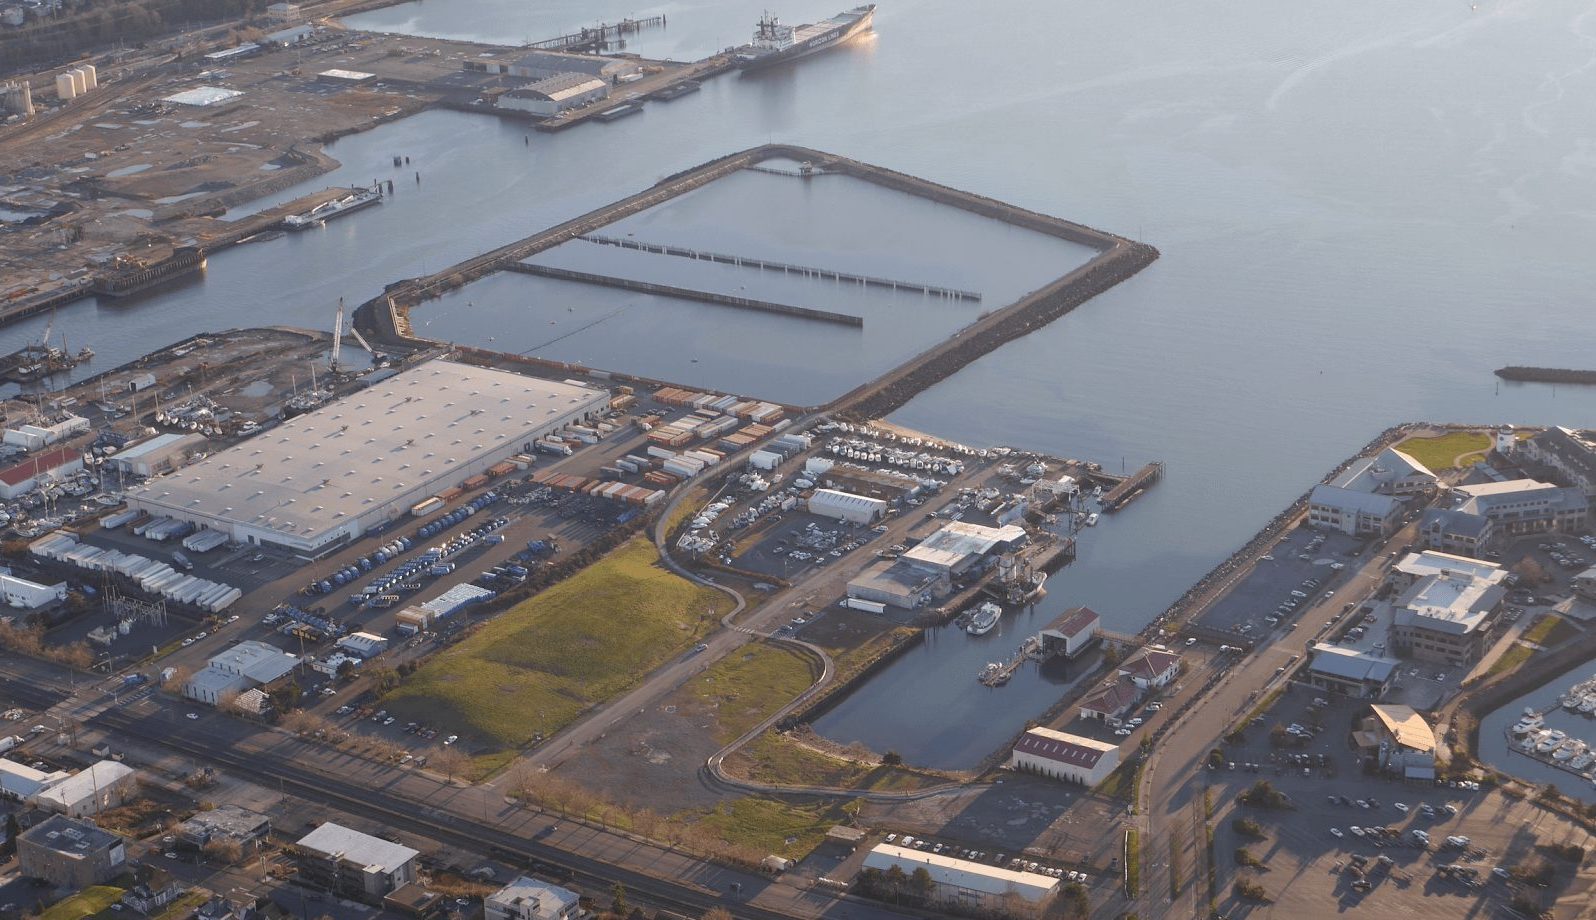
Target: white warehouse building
[[328, 476], [1061, 755], [559, 93], [967, 883], [846, 506]]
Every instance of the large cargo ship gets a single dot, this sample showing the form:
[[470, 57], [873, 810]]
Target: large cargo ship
[[775, 43]]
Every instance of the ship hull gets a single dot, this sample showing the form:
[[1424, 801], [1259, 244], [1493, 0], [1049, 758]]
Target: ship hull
[[829, 39]]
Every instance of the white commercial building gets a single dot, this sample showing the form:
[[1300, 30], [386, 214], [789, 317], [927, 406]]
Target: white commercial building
[[1071, 633], [959, 545], [328, 476], [1391, 472], [20, 782], [106, 784], [1061, 755], [1521, 506], [529, 899], [967, 883], [846, 506], [245, 666], [45, 466], [350, 863], [203, 96], [364, 644], [26, 595], [34, 437], [559, 93]]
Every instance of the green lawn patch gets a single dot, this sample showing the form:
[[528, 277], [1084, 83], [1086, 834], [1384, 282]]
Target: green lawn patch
[[774, 758], [1438, 453], [1510, 660], [772, 827], [1550, 631], [186, 904], [85, 903], [540, 664], [747, 686], [1133, 862]]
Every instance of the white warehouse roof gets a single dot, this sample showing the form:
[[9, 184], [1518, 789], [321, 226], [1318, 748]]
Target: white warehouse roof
[[334, 841], [963, 873], [354, 461], [203, 96], [559, 87]]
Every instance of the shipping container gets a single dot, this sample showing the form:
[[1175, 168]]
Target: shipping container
[[424, 508]]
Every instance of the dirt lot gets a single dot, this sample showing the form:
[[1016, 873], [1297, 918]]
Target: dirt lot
[[125, 172]]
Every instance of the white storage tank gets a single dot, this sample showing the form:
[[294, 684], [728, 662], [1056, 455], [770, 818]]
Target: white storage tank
[[64, 87], [79, 82], [91, 77]]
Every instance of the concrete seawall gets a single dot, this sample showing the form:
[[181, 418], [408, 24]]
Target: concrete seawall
[[385, 318]]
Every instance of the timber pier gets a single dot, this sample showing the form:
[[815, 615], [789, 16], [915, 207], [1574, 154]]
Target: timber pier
[[598, 38], [1138, 482]]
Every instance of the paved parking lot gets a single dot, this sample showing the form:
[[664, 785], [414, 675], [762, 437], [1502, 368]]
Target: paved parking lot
[[801, 541], [1303, 554]]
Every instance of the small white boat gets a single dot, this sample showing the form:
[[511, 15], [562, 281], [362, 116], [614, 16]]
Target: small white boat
[[1571, 702], [1523, 728], [1545, 746], [1557, 735], [1587, 705], [1528, 744], [1581, 761], [1091, 519]]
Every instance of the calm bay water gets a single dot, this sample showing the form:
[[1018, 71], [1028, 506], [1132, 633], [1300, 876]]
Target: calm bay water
[[1363, 209]]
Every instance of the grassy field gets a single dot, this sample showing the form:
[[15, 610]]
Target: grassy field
[[744, 688], [1438, 453], [1516, 654], [773, 758], [539, 665], [185, 905], [1550, 631], [774, 827], [85, 903]]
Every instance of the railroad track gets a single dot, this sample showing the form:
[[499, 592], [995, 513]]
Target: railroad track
[[431, 822]]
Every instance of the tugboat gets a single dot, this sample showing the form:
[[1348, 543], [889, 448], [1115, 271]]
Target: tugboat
[[984, 620]]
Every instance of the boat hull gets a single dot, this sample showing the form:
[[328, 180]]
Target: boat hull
[[828, 39]]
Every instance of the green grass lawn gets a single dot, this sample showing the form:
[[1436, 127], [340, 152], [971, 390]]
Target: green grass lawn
[[186, 904], [85, 903], [1551, 631], [540, 664], [1516, 655], [774, 758], [1437, 453], [765, 826], [744, 688]]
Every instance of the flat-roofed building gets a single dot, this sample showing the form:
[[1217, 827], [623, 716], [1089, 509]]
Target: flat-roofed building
[[232, 823], [967, 883], [21, 594], [899, 584], [889, 487], [540, 65], [1349, 671], [529, 899], [1445, 617], [70, 854], [20, 782], [354, 864], [1414, 566], [1521, 506], [324, 478], [958, 545], [1061, 755]]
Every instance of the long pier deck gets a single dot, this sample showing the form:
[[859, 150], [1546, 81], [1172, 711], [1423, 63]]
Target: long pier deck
[[1119, 496], [785, 268], [665, 290]]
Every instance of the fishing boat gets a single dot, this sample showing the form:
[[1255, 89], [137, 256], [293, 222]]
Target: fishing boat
[[1091, 519], [984, 620]]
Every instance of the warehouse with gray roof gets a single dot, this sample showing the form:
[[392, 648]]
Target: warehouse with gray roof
[[326, 477]]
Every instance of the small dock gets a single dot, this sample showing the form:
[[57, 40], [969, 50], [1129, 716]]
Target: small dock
[[786, 268], [665, 290], [1004, 670], [1138, 482]]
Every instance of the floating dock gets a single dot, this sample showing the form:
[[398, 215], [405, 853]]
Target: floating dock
[[1138, 482]]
